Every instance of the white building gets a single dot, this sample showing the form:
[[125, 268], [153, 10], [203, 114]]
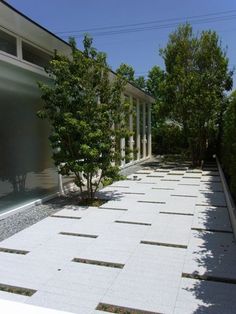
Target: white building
[[27, 173]]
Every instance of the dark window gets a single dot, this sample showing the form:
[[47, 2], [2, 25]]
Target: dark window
[[7, 43], [35, 55]]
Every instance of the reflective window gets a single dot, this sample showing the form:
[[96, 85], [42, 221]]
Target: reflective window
[[27, 172], [35, 55], [8, 43]]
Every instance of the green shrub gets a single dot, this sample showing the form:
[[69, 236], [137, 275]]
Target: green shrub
[[168, 138]]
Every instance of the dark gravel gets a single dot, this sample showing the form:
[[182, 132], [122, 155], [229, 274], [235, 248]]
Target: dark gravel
[[26, 218]]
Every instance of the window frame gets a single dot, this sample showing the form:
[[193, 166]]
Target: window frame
[[4, 30], [19, 50]]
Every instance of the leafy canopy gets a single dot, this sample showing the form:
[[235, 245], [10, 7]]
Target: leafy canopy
[[196, 79], [86, 114]]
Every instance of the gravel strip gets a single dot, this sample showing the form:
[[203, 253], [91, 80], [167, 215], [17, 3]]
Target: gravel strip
[[26, 218]]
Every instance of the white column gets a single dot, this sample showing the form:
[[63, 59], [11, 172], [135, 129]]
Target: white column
[[122, 142], [60, 184], [131, 138], [122, 151], [138, 129], [149, 130], [19, 48], [144, 140]]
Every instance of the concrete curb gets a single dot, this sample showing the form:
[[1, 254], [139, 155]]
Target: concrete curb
[[229, 200]]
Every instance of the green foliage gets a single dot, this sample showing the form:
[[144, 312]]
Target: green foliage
[[228, 154], [168, 138], [195, 81], [86, 113], [154, 83], [126, 71], [140, 82]]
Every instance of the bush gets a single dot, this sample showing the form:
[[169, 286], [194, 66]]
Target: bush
[[168, 138], [228, 153]]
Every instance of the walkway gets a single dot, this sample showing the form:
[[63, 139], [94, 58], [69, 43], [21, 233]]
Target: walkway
[[162, 244]]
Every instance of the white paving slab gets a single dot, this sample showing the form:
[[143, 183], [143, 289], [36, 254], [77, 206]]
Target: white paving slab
[[151, 279], [211, 198], [211, 253], [197, 296], [170, 229], [177, 204], [210, 217]]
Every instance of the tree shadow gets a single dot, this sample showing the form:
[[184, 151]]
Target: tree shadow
[[209, 271]]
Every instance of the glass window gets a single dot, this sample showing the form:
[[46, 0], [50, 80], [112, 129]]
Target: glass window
[[7, 43], [35, 55], [27, 172]]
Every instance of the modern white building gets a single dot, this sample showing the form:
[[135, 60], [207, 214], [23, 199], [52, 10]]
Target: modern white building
[[27, 173]]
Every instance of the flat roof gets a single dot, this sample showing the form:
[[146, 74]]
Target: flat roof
[[35, 23], [61, 40]]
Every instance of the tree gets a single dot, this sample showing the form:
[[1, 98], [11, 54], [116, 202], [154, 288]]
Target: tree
[[228, 155], [126, 71], [155, 81], [140, 82], [196, 79], [86, 113]]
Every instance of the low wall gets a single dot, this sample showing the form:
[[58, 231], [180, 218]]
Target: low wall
[[229, 200]]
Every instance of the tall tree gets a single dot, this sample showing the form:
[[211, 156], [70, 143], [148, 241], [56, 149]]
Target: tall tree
[[86, 113], [155, 82], [228, 155], [126, 71], [197, 77], [140, 82]]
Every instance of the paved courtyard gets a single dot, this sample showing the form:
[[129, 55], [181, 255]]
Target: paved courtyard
[[163, 243]]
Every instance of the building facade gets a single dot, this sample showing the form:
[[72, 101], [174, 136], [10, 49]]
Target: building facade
[[27, 173]]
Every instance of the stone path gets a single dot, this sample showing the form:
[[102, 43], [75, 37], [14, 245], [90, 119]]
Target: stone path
[[162, 244]]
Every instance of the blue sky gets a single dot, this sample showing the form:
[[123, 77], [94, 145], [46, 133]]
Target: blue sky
[[140, 48]]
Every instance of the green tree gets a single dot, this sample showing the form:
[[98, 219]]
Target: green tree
[[154, 83], [196, 79], [228, 154], [140, 82], [126, 71], [86, 113]]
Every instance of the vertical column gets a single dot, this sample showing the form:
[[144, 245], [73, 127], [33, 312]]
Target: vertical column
[[138, 129], [19, 47], [131, 138], [149, 130], [122, 149], [122, 142], [144, 140], [60, 184]]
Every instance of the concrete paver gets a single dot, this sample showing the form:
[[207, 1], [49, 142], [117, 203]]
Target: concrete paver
[[167, 227]]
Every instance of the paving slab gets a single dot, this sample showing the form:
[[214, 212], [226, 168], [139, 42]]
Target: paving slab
[[186, 190], [209, 178], [170, 224], [211, 198], [197, 296], [211, 253], [170, 229], [210, 217], [149, 280], [211, 186], [177, 204]]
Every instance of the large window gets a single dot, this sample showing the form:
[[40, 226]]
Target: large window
[[35, 55], [8, 43]]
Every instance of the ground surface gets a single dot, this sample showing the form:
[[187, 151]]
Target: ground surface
[[162, 244]]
